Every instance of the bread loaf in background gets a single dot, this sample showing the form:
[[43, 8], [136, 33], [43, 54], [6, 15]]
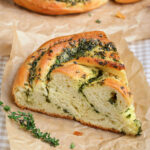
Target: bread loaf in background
[[79, 77], [60, 7]]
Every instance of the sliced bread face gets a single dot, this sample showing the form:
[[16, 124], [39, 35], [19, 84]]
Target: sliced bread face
[[78, 77]]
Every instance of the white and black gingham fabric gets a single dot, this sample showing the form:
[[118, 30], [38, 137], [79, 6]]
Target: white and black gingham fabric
[[141, 50], [4, 144]]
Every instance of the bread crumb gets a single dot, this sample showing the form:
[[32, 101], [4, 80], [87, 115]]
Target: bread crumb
[[77, 133], [120, 15]]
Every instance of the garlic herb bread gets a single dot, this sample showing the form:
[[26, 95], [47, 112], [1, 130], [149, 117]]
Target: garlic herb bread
[[79, 77]]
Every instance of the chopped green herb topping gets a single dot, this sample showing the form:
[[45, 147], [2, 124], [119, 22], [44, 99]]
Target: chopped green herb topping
[[27, 92], [65, 111], [110, 46], [73, 2], [99, 74], [113, 98], [101, 54], [98, 21], [1, 103], [128, 116], [79, 49], [74, 52], [138, 124], [6, 108], [72, 146], [139, 131], [57, 61], [47, 99], [127, 109], [32, 71], [94, 108]]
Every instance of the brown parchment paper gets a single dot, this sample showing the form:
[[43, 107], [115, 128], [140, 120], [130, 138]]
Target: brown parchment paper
[[136, 26], [92, 139]]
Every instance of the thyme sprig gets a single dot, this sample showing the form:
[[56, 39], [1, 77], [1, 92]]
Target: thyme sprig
[[26, 121]]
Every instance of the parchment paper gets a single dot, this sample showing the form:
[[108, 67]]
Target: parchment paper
[[92, 139], [136, 26]]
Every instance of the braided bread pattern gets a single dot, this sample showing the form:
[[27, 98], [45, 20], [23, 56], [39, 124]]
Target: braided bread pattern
[[79, 77]]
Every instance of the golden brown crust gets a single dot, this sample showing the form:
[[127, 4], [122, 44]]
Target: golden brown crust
[[98, 62], [47, 59], [23, 72], [126, 1], [57, 45], [54, 7], [71, 70], [57, 49], [121, 88]]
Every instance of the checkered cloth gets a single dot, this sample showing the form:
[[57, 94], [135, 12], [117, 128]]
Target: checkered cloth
[[141, 50]]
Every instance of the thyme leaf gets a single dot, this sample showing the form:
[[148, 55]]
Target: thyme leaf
[[72, 146], [98, 21], [73, 2]]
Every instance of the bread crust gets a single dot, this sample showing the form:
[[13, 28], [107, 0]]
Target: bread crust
[[74, 71], [121, 88], [23, 72], [126, 1], [54, 7], [63, 42]]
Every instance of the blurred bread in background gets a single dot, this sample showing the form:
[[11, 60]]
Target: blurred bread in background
[[60, 7]]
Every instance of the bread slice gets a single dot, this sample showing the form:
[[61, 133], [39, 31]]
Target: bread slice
[[60, 7], [78, 77]]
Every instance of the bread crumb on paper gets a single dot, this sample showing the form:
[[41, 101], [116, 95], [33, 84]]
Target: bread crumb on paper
[[77, 133], [120, 15]]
